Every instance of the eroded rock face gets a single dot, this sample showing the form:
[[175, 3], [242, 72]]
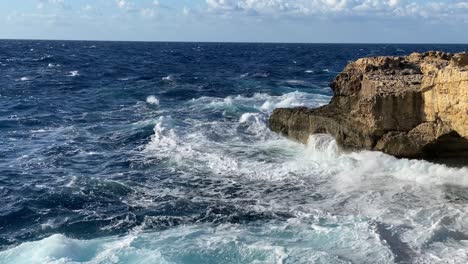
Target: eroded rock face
[[414, 106]]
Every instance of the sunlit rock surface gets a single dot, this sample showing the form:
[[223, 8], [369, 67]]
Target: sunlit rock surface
[[414, 107]]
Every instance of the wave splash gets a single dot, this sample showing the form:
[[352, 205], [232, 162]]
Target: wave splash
[[340, 207], [304, 239], [366, 185], [230, 145], [284, 243]]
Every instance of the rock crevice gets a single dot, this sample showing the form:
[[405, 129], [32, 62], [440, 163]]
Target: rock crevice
[[414, 106]]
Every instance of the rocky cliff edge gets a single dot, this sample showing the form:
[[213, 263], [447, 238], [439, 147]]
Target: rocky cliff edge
[[414, 107]]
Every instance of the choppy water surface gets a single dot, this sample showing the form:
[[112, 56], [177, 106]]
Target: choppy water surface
[[160, 153]]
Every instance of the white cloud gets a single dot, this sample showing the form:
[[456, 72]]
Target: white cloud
[[124, 4], [221, 4], [89, 11], [378, 8], [393, 3], [127, 6], [148, 12], [42, 3], [462, 5]]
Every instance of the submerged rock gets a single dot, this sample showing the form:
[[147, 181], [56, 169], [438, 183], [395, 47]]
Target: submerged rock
[[414, 107]]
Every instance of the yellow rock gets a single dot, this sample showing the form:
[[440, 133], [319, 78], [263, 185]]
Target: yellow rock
[[414, 106]]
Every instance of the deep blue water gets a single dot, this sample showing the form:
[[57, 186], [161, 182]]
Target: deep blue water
[[126, 152]]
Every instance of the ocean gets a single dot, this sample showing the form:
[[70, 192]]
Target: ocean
[[154, 152]]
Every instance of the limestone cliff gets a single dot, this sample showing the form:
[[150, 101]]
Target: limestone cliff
[[414, 106]]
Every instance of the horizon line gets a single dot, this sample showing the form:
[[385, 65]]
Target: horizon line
[[237, 42]]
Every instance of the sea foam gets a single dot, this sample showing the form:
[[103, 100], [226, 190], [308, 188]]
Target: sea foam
[[73, 74], [327, 239], [152, 100], [203, 244]]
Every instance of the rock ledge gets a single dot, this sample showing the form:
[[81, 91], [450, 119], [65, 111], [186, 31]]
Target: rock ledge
[[414, 107]]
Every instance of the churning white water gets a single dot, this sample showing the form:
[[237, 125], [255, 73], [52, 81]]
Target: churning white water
[[327, 206]]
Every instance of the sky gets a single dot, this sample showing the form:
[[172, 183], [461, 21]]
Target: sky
[[310, 21]]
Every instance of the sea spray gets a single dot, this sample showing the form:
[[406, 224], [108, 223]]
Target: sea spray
[[151, 99]]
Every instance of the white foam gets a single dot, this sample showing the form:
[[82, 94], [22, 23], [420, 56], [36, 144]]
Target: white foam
[[261, 102], [353, 169], [164, 137], [52, 223], [248, 116], [374, 166], [272, 243], [152, 100], [39, 130], [168, 78], [359, 185], [73, 74], [261, 74], [296, 82], [284, 102], [25, 79], [321, 147], [320, 157], [293, 99]]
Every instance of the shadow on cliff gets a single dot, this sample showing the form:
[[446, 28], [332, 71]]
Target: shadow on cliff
[[450, 149]]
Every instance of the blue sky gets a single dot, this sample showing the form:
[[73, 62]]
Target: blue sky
[[348, 21]]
